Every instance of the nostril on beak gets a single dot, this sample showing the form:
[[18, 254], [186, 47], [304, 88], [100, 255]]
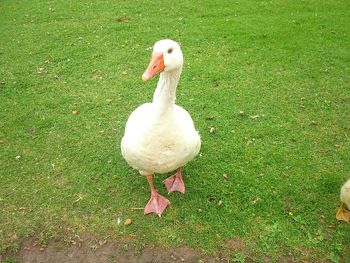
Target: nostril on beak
[[154, 66]]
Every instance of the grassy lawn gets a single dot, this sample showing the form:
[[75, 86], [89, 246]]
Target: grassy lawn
[[284, 64]]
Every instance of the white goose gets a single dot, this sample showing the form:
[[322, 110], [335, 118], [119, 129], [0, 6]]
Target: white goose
[[160, 136], [343, 212]]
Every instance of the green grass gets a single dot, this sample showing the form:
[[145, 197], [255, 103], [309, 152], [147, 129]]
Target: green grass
[[286, 61]]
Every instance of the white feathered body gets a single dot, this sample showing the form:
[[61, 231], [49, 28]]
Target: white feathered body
[[159, 142], [160, 136], [345, 194]]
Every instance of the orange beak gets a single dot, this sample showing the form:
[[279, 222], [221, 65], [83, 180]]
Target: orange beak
[[155, 66]]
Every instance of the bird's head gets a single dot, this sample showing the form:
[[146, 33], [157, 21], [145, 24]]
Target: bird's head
[[166, 56]]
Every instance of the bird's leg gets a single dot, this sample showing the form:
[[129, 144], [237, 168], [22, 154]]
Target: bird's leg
[[175, 183], [157, 203]]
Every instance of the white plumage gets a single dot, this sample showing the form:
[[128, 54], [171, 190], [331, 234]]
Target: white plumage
[[160, 136], [343, 212], [159, 143], [345, 194]]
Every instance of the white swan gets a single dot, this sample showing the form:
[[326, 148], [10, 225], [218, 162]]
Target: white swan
[[160, 136], [343, 211]]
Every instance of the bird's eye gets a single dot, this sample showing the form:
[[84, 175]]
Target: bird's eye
[[170, 50]]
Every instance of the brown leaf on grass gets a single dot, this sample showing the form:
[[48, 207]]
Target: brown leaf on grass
[[127, 222], [123, 20], [219, 202], [211, 117], [2, 142], [75, 112], [211, 198], [109, 100]]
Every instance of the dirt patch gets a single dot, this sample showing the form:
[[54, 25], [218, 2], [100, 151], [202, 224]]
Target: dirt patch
[[236, 245], [90, 249], [108, 252]]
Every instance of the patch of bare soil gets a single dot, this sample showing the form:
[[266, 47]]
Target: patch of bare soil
[[110, 252], [92, 250]]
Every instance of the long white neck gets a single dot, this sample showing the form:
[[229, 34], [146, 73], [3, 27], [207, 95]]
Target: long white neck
[[165, 94]]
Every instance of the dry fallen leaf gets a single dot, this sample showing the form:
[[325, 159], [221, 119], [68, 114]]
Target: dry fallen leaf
[[123, 20], [102, 242], [77, 200], [1, 142], [212, 129], [26, 248], [127, 222], [75, 112], [219, 202], [249, 142], [254, 117], [241, 113], [93, 247], [108, 100], [41, 71], [225, 176], [96, 77]]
